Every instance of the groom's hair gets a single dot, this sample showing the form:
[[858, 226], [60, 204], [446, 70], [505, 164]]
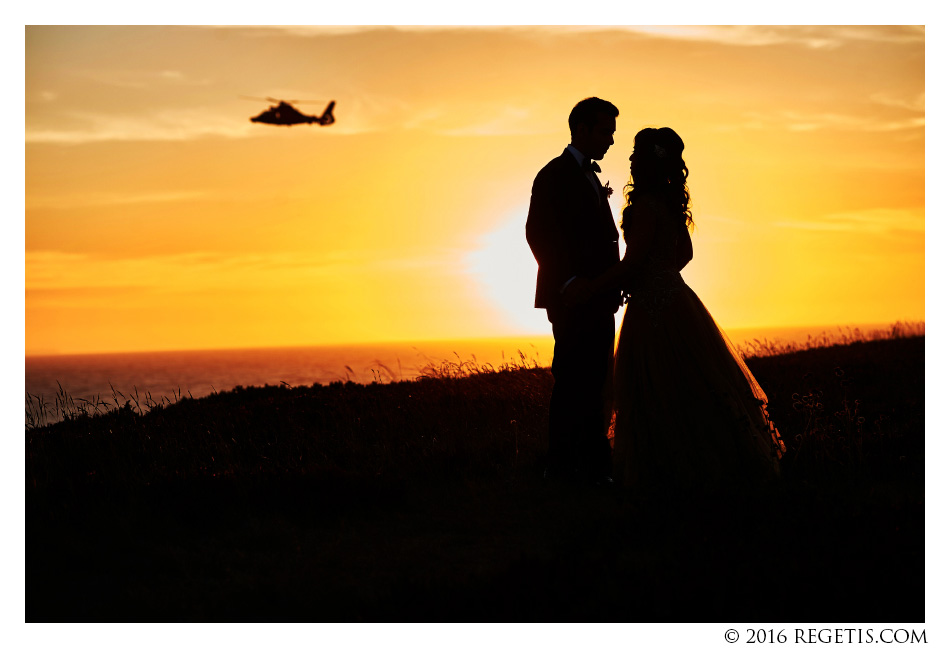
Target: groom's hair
[[587, 110]]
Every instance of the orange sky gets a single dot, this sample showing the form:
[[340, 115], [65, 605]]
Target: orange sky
[[158, 217]]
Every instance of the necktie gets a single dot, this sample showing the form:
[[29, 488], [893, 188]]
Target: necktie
[[591, 171]]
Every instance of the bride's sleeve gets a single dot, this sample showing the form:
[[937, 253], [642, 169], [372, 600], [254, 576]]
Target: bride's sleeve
[[639, 226], [639, 223], [684, 248]]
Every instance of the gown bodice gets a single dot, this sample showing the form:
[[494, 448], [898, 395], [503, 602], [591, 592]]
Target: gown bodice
[[656, 280]]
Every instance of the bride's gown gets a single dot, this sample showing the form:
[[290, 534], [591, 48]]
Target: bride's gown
[[689, 413]]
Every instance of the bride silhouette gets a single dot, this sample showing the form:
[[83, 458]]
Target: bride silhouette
[[689, 413]]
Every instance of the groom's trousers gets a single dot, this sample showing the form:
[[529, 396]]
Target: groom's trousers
[[581, 400]]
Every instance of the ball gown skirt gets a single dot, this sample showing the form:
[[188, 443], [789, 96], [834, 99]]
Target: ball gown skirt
[[689, 414]]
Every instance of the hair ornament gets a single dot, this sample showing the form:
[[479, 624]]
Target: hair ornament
[[659, 150]]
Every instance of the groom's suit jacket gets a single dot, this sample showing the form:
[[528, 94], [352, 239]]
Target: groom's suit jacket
[[571, 232]]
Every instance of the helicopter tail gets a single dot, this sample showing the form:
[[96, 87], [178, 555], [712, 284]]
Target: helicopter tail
[[327, 117]]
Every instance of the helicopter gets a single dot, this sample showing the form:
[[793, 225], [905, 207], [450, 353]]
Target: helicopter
[[284, 114]]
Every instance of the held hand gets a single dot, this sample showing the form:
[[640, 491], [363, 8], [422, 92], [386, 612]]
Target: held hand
[[577, 292], [620, 300]]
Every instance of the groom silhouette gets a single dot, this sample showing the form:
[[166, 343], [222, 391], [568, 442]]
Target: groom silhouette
[[572, 234]]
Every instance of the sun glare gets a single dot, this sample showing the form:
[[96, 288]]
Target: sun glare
[[506, 271]]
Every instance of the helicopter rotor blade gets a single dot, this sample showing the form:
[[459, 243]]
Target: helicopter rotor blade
[[269, 99], [298, 101], [276, 101]]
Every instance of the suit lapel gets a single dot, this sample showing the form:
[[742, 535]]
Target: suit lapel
[[581, 177], [595, 197]]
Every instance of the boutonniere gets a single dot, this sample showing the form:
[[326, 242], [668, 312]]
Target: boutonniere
[[608, 189]]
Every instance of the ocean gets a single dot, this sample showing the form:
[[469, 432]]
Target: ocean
[[179, 374], [172, 375]]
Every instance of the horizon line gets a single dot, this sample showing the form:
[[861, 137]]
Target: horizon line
[[829, 328]]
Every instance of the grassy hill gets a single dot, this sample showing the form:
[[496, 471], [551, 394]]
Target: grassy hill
[[424, 501]]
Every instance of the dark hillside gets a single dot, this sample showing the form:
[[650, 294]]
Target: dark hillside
[[423, 501]]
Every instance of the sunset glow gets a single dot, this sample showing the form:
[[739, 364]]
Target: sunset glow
[[159, 217]]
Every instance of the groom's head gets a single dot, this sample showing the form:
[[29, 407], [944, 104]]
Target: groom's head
[[593, 122]]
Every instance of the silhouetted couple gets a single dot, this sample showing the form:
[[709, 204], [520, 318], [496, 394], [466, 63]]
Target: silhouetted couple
[[689, 414]]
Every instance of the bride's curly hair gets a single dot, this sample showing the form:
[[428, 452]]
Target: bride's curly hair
[[657, 167]]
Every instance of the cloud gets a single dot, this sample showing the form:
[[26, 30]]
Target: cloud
[[908, 103], [798, 121], [879, 220], [307, 31], [180, 273], [810, 122], [172, 125], [813, 37], [364, 114], [372, 115], [810, 36], [138, 79], [502, 120], [109, 199]]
